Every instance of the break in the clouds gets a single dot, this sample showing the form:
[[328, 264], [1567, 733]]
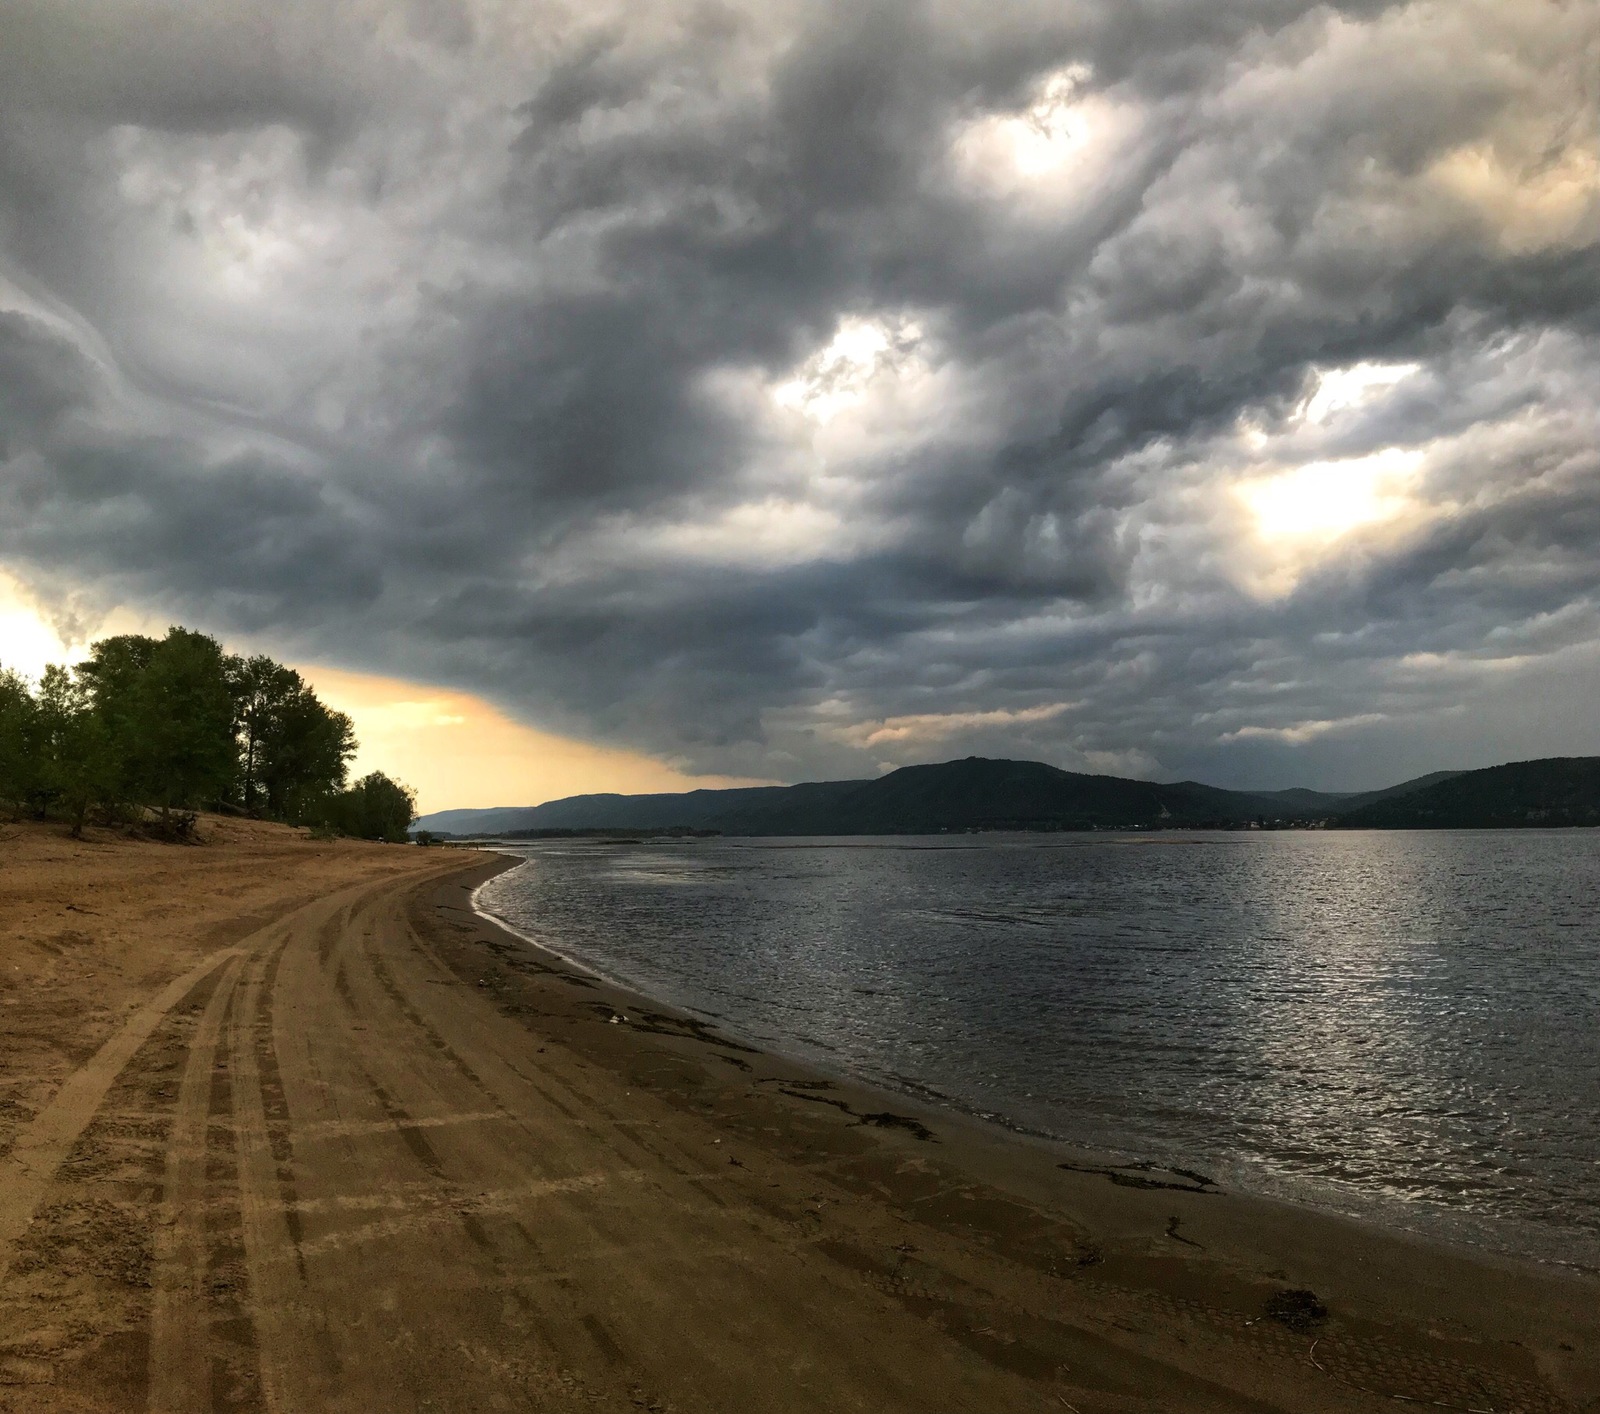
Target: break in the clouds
[[1160, 386]]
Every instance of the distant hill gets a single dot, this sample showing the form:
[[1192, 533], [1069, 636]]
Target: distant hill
[[694, 809], [982, 794], [973, 794], [1356, 801], [1299, 798], [1560, 790]]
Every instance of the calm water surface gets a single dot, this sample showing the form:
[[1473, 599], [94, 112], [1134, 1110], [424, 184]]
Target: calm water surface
[[1396, 1024]]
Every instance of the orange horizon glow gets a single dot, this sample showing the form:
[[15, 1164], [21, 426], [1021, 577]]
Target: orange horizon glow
[[456, 750]]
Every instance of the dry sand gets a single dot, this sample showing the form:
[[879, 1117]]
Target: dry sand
[[285, 1127]]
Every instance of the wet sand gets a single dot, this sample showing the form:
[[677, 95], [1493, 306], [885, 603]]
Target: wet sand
[[287, 1126]]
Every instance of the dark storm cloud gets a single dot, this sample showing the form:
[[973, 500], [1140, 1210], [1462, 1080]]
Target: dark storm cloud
[[145, 512], [711, 379], [41, 378]]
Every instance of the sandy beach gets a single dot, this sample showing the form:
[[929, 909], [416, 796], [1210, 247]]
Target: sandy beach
[[285, 1126]]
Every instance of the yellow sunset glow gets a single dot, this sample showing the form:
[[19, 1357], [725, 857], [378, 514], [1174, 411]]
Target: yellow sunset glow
[[458, 750], [27, 643], [454, 748]]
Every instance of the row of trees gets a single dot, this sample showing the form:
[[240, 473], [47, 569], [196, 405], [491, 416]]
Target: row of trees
[[176, 724]]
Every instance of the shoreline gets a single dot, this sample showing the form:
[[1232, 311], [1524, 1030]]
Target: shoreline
[[386, 1153], [1159, 1231], [1475, 1234]]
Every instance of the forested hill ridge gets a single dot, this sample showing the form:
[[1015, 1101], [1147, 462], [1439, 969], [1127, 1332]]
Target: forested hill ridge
[[1558, 791], [982, 794]]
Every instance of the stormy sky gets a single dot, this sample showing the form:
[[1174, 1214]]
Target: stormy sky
[[789, 390]]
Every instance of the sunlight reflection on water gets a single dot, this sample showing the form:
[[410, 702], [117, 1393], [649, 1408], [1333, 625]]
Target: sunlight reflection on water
[[1399, 1023]]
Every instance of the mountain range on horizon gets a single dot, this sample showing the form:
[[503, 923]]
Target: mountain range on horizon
[[979, 793]]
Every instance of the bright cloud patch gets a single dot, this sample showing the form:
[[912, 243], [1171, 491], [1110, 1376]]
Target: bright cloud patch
[[937, 726], [27, 642], [1340, 389], [1547, 199], [1056, 149], [762, 533], [862, 354], [1044, 136], [1299, 733], [1321, 501]]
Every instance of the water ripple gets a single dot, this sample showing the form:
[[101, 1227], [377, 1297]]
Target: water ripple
[[1403, 1024]]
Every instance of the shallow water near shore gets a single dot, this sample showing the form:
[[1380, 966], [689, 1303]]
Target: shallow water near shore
[[1402, 1026]]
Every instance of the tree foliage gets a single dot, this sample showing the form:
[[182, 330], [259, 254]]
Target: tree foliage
[[77, 763], [293, 751], [19, 755], [166, 707], [177, 724], [374, 808]]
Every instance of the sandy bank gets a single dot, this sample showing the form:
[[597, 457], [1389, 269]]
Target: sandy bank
[[368, 1151], [90, 928]]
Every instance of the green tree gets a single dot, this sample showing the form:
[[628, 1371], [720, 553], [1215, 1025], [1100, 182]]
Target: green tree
[[307, 751], [167, 712], [374, 808], [293, 750], [185, 746], [175, 723], [261, 690], [114, 674], [19, 760], [78, 768]]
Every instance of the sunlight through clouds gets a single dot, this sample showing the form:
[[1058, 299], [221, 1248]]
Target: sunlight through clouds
[[1342, 389], [1055, 149], [27, 642], [1321, 501], [846, 372], [33, 633], [1049, 132]]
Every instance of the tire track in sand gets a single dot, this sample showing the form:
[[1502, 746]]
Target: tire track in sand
[[27, 1171], [291, 1378], [180, 1354]]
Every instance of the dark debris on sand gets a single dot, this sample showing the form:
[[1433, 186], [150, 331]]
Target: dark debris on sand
[[1297, 1308]]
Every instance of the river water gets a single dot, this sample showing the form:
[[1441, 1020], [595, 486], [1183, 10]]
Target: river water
[[1403, 1026]]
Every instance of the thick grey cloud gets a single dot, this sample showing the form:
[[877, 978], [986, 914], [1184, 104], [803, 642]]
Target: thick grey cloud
[[790, 390]]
